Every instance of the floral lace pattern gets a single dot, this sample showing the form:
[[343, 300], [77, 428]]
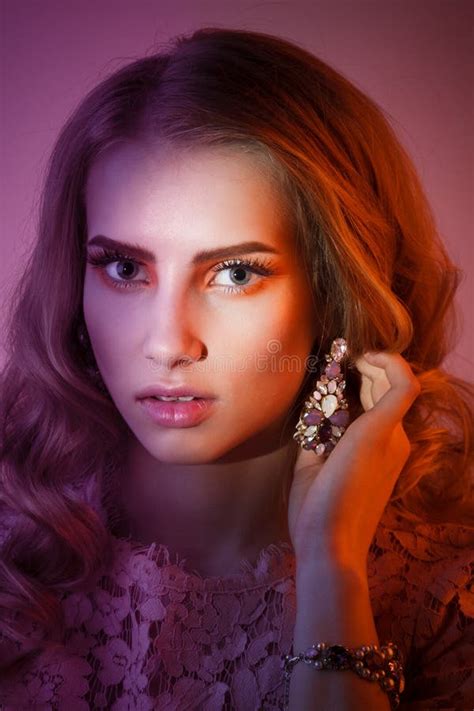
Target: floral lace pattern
[[151, 634]]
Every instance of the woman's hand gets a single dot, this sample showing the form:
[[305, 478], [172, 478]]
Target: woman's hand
[[335, 504]]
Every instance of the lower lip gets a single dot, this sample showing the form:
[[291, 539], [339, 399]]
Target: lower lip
[[177, 414]]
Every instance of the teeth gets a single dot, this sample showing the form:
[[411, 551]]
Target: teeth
[[184, 398]]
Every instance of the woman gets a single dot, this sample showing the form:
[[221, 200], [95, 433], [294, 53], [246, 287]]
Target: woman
[[234, 223]]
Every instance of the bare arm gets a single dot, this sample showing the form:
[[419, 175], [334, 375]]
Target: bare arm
[[333, 606]]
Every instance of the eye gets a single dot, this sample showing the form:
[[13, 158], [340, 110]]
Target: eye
[[126, 270], [128, 267], [237, 269]]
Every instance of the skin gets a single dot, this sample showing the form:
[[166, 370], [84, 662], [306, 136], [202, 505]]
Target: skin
[[209, 492], [219, 478], [334, 508], [336, 503], [212, 492]]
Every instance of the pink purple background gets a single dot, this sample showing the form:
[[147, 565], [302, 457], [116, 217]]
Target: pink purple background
[[413, 57]]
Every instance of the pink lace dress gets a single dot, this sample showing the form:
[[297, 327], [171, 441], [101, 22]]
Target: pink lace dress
[[151, 634]]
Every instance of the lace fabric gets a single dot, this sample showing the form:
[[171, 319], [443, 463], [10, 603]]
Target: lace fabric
[[152, 634]]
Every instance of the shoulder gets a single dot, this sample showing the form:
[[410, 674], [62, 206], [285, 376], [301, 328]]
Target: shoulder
[[421, 580]]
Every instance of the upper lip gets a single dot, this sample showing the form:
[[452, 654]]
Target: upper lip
[[169, 391]]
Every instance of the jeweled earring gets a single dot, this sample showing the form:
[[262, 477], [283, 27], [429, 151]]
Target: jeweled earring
[[325, 414], [90, 364]]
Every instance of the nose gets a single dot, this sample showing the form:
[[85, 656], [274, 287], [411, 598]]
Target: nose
[[171, 338]]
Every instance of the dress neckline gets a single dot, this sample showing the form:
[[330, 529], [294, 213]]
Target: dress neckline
[[275, 562]]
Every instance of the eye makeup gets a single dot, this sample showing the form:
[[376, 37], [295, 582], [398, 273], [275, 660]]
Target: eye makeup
[[102, 257]]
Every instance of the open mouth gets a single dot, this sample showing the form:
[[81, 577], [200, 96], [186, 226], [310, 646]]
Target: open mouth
[[184, 398]]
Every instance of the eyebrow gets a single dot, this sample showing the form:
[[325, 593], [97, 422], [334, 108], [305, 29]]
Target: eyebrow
[[134, 250]]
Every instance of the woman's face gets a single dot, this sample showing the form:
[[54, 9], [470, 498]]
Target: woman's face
[[239, 335]]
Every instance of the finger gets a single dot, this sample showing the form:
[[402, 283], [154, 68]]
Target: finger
[[372, 389], [382, 368]]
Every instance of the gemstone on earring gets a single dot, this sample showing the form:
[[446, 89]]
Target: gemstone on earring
[[329, 404], [340, 418], [338, 349], [313, 418], [325, 431], [325, 415], [333, 370]]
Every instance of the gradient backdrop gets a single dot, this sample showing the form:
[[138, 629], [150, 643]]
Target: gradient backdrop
[[413, 57]]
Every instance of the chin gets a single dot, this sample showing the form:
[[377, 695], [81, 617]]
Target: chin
[[184, 452]]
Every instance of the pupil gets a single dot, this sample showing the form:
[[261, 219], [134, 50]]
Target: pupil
[[123, 271], [242, 270]]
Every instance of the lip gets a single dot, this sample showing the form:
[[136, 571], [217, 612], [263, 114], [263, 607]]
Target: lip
[[169, 391], [177, 414]]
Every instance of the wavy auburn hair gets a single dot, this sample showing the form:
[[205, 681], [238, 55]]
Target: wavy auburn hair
[[378, 270]]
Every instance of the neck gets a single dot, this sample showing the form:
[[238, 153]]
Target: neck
[[212, 514]]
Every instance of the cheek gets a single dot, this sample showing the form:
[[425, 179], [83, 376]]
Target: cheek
[[273, 351], [287, 339], [273, 340], [111, 336], [288, 326]]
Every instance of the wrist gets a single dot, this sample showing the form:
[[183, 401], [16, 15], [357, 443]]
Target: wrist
[[333, 604], [331, 557]]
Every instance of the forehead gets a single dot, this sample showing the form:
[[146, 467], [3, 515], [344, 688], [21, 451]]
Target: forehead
[[170, 197]]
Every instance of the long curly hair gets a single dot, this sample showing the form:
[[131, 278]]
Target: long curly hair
[[377, 265]]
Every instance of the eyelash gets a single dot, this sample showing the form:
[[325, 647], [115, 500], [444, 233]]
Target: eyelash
[[107, 256]]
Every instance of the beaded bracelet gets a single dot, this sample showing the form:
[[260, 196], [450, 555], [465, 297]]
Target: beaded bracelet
[[370, 662]]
